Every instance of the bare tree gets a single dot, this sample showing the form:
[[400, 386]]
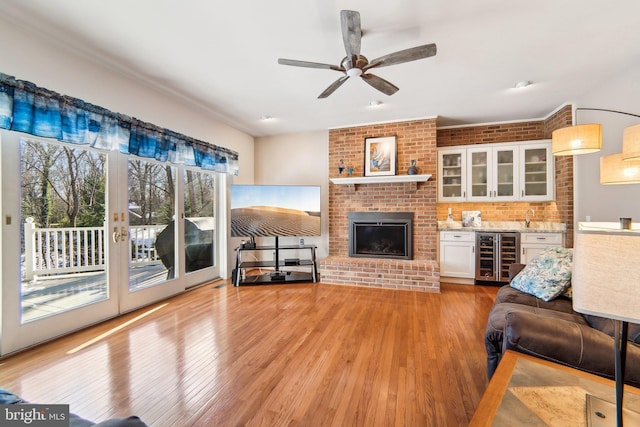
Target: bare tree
[[151, 192], [60, 183]]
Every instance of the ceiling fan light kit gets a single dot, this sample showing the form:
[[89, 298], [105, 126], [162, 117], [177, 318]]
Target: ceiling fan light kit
[[357, 65], [354, 72]]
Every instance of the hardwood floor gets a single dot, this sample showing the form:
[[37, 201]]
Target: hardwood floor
[[296, 354]]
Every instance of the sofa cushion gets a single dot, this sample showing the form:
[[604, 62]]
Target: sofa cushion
[[498, 314], [512, 295], [547, 275]]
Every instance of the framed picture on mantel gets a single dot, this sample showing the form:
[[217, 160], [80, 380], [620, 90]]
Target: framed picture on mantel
[[380, 156]]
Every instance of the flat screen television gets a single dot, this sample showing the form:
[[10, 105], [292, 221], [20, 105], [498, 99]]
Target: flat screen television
[[275, 210]]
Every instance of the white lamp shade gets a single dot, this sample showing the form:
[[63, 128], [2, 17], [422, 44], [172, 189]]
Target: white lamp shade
[[606, 274], [580, 139], [631, 143], [615, 170]]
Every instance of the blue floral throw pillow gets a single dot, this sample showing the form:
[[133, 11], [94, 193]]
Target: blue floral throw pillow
[[547, 275]]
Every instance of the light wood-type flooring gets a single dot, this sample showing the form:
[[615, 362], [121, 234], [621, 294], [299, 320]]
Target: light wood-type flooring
[[274, 355]]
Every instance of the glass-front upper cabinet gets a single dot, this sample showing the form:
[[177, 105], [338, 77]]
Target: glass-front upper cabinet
[[452, 166], [479, 178], [536, 176], [492, 173], [506, 173], [497, 172]]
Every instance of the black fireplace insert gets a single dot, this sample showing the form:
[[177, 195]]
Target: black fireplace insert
[[381, 235]]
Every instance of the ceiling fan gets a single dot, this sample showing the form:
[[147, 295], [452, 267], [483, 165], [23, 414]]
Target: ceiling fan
[[357, 65]]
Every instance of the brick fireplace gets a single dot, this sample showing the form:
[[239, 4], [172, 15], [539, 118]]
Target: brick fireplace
[[416, 140]]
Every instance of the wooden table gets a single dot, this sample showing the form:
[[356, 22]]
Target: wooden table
[[526, 391]]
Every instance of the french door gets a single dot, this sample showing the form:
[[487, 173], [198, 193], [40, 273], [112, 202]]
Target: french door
[[88, 234]]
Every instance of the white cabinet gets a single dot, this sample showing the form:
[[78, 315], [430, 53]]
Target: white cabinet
[[504, 172], [457, 254], [492, 173], [531, 244], [452, 169], [536, 173]]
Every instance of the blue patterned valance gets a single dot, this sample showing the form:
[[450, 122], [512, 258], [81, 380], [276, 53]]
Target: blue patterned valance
[[25, 107]]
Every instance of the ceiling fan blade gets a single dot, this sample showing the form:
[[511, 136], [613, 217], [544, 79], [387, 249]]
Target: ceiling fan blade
[[335, 85], [381, 84], [407, 55], [308, 64], [351, 31]]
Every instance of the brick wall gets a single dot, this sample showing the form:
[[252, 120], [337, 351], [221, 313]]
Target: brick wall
[[564, 172], [489, 134], [416, 140], [560, 210]]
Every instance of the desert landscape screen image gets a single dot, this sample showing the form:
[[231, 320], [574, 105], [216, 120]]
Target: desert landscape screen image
[[275, 210]]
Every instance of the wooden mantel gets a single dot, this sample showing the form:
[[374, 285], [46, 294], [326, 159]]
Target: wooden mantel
[[353, 180]]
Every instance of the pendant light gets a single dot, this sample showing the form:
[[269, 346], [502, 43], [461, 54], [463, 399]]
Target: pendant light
[[579, 139], [631, 143], [615, 170]]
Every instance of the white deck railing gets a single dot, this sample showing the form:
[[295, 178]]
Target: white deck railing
[[81, 249]]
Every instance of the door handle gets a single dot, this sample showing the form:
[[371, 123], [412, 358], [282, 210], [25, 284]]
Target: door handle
[[124, 233], [121, 234]]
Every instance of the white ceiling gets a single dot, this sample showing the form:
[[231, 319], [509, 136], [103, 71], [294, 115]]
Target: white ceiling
[[222, 55]]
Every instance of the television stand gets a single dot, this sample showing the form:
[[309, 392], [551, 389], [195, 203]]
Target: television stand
[[277, 276]]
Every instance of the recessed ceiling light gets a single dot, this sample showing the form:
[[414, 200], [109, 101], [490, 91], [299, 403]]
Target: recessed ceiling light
[[375, 104], [266, 118], [522, 84]]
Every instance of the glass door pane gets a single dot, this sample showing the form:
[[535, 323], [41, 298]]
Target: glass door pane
[[479, 171], [152, 228], [63, 250], [535, 172], [55, 248], [505, 172], [452, 175], [200, 221], [486, 256]]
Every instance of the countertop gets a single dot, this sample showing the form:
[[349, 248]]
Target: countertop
[[534, 226]]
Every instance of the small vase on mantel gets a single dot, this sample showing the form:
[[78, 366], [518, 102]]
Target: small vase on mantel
[[413, 169]]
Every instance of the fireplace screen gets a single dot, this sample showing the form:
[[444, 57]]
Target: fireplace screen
[[380, 234]]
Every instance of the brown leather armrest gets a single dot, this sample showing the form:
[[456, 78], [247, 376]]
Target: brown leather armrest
[[568, 343], [514, 269]]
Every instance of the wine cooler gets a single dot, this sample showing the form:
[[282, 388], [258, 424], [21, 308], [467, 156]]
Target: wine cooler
[[495, 252]]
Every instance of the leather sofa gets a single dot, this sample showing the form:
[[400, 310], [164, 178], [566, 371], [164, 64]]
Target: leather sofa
[[554, 331]]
